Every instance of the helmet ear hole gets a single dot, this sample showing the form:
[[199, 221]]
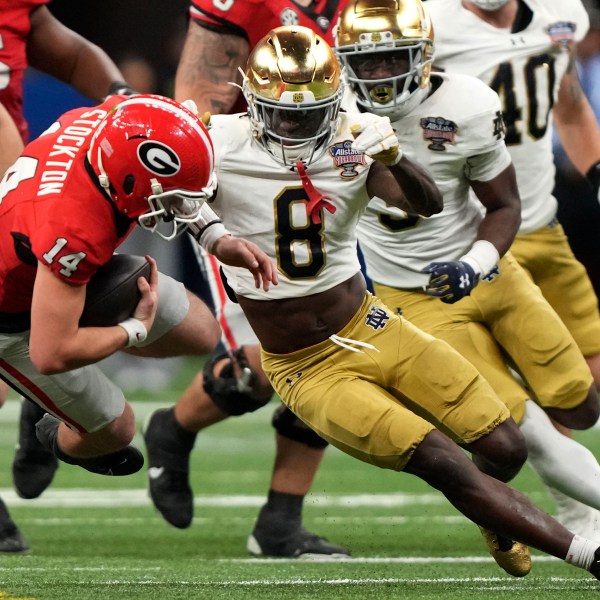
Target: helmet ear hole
[[128, 184]]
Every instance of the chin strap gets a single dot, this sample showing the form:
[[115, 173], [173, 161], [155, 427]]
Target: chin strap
[[316, 200]]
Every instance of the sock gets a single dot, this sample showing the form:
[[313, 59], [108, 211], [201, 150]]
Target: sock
[[581, 552], [560, 461], [175, 438], [281, 509]]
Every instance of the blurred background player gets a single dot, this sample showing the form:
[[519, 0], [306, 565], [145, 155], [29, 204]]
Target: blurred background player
[[219, 39], [578, 207], [524, 50], [11, 145]]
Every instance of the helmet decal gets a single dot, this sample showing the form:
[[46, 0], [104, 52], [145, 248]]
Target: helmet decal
[[158, 158]]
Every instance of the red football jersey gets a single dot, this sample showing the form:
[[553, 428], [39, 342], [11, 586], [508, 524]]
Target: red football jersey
[[14, 30], [253, 19], [52, 210]]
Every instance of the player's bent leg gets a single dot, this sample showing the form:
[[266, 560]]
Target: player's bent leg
[[502, 453], [33, 465], [553, 454], [223, 389], [583, 416], [560, 461], [106, 451], [490, 503], [184, 325], [278, 530]]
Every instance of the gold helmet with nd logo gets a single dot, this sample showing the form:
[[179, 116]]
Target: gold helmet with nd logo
[[293, 88], [386, 48]]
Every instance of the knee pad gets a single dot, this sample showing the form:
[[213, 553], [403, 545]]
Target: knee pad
[[290, 426], [231, 394]]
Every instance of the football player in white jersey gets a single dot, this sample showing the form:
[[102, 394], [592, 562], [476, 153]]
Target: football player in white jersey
[[295, 177], [452, 125], [524, 49], [219, 39]]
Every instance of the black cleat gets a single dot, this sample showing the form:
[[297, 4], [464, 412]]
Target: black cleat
[[595, 566], [123, 462], [33, 466], [169, 448], [11, 539], [298, 543]]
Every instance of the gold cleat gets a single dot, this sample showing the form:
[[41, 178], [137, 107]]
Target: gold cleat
[[512, 556]]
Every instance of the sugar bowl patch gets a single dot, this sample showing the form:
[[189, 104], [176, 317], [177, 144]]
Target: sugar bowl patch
[[438, 131], [346, 158]]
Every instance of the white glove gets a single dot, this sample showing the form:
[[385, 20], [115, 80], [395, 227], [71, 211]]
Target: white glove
[[375, 137]]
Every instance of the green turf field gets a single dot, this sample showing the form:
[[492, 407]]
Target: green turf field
[[93, 537]]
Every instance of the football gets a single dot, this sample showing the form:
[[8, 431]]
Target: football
[[112, 293]]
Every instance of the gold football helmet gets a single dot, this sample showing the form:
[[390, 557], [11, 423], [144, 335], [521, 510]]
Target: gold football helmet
[[293, 88], [386, 47]]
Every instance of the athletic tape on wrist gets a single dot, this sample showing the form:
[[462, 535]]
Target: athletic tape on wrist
[[136, 331], [208, 228], [483, 257], [211, 234]]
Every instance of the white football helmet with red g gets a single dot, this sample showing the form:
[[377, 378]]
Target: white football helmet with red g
[[155, 160]]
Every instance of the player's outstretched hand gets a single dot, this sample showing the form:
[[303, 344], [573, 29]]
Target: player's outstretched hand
[[145, 311], [237, 252]]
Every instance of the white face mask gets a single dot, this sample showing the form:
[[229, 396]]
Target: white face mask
[[489, 4]]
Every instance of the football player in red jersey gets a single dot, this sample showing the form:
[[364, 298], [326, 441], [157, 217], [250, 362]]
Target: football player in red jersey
[[11, 144], [31, 36], [220, 36], [66, 204]]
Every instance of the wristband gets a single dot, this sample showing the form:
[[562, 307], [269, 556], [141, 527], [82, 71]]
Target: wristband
[[208, 228], [482, 257], [136, 331], [593, 176], [212, 233]]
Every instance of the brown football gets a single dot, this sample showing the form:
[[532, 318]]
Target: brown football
[[112, 293]]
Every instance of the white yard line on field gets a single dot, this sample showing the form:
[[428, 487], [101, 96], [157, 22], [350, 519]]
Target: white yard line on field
[[55, 497]]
